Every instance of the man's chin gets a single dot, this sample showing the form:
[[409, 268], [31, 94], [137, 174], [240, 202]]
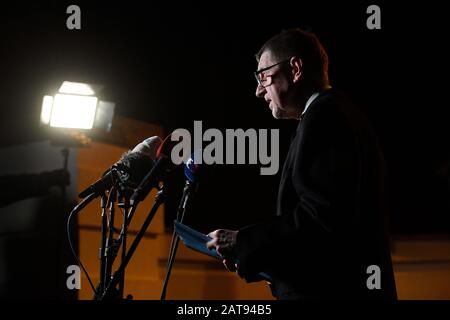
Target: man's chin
[[274, 114], [277, 114]]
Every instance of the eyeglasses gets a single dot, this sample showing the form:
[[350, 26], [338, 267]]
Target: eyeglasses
[[266, 80]]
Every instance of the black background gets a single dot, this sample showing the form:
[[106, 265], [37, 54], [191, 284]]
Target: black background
[[175, 63]]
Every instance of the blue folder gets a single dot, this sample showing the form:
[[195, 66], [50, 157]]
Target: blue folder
[[197, 241]]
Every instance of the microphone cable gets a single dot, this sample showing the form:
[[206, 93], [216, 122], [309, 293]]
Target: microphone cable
[[77, 209]]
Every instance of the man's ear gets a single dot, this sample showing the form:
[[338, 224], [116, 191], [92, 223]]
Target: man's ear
[[297, 68]]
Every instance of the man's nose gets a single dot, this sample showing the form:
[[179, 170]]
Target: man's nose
[[260, 91]]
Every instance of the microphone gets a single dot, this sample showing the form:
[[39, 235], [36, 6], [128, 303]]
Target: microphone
[[192, 169], [163, 164], [149, 147], [129, 169], [192, 172]]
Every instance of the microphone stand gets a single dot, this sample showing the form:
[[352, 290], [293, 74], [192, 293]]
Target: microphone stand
[[124, 204], [111, 244], [101, 285], [187, 192], [108, 246], [110, 289], [121, 240]]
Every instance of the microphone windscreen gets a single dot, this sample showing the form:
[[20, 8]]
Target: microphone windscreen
[[133, 166], [149, 147]]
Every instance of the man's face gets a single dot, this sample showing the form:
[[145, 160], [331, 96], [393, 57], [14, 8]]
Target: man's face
[[279, 92]]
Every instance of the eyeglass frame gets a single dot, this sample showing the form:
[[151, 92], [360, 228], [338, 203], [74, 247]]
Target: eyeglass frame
[[257, 72]]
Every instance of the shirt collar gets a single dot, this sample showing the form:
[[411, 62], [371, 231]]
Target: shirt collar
[[312, 98]]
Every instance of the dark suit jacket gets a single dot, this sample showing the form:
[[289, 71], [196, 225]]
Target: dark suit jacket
[[330, 224]]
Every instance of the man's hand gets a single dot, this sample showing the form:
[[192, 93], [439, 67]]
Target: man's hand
[[224, 241]]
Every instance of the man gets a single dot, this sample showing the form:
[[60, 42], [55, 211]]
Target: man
[[329, 231]]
